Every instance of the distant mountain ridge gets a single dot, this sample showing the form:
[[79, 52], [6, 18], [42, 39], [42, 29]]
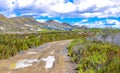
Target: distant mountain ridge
[[30, 24], [57, 25]]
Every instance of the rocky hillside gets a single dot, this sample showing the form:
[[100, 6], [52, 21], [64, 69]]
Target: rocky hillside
[[20, 24], [51, 24], [5, 23]]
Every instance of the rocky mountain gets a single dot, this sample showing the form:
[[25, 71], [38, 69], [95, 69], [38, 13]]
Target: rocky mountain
[[81, 27], [25, 23], [18, 24], [5, 23], [22, 24], [51, 24]]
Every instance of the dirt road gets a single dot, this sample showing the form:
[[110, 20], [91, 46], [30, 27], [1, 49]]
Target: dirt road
[[47, 58]]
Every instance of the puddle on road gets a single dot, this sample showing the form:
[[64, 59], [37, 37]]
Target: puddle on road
[[29, 62], [49, 61], [24, 63]]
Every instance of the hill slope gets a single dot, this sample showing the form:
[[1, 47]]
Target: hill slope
[[25, 24], [57, 25]]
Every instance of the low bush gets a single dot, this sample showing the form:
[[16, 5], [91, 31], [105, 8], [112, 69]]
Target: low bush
[[92, 56]]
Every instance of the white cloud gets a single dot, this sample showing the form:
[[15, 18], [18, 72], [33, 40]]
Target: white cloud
[[41, 20], [12, 15], [116, 26], [111, 21], [63, 8], [85, 4], [57, 21], [101, 24], [49, 2], [29, 14], [24, 3], [99, 8], [11, 4], [97, 3], [114, 10], [88, 15], [7, 5], [85, 20], [96, 24], [58, 8]]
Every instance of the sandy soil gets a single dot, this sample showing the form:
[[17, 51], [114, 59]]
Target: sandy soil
[[56, 49]]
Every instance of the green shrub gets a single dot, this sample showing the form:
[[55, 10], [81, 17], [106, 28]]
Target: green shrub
[[94, 56]]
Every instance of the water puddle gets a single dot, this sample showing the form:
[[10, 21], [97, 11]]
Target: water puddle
[[24, 63], [49, 61]]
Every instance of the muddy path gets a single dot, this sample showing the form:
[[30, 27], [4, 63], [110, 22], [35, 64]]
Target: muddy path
[[47, 58]]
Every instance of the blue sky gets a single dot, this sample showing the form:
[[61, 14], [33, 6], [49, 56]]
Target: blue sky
[[92, 13]]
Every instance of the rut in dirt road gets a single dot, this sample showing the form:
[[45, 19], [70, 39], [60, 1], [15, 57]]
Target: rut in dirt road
[[47, 58]]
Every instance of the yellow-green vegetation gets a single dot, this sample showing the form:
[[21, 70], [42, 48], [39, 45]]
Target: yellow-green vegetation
[[11, 44], [92, 56]]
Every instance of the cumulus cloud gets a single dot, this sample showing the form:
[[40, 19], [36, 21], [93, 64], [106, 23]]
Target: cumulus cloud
[[116, 23], [62, 8], [100, 24], [41, 20], [85, 20], [86, 4], [88, 15], [98, 8], [24, 3], [110, 21], [12, 15]]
